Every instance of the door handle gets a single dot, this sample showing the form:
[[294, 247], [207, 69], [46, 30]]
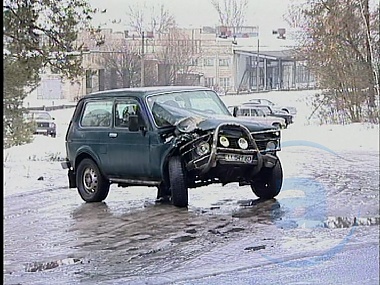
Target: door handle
[[112, 135]]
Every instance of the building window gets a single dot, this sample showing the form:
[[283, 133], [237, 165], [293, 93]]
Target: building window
[[88, 79], [302, 74], [101, 79], [224, 82], [194, 62], [209, 81], [224, 62], [208, 62]]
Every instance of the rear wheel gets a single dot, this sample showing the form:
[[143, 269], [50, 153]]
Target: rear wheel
[[268, 182], [178, 187], [91, 184]]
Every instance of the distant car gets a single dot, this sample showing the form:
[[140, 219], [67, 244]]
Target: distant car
[[289, 109], [269, 111], [44, 123], [258, 115]]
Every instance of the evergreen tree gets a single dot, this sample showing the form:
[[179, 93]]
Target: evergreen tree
[[38, 34]]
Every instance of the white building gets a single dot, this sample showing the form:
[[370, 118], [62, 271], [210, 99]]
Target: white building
[[228, 61]]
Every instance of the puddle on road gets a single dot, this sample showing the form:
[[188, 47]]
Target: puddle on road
[[183, 239]]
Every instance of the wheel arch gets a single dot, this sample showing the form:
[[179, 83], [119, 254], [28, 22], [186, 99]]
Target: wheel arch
[[285, 109], [172, 151], [86, 153]]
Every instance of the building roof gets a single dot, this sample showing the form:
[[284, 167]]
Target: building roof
[[284, 55]]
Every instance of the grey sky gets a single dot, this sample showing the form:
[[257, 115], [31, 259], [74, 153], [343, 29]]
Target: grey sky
[[267, 14]]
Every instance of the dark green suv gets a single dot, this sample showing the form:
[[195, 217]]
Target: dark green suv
[[173, 138]]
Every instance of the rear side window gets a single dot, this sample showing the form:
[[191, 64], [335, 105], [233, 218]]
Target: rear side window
[[97, 114], [244, 112]]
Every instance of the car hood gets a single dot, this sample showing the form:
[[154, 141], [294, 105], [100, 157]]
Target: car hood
[[203, 121]]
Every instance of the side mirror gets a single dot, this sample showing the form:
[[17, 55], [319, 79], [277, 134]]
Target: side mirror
[[133, 123], [234, 112]]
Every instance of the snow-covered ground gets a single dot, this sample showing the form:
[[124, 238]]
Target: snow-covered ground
[[23, 165]]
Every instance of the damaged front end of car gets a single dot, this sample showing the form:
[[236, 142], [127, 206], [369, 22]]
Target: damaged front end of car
[[222, 149]]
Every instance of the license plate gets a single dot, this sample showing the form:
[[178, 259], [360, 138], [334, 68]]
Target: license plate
[[239, 158]]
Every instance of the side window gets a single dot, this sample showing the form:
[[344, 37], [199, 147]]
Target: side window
[[260, 113], [124, 109], [97, 114], [244, 112]]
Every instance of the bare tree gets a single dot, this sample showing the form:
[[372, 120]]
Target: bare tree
[[338, 43], [156, 19], [177, 57], [121, 63], [365, 12], [231, 12]]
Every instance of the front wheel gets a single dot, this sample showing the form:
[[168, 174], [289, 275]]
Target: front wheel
[[178, 187], [268, 182], [91, 184]]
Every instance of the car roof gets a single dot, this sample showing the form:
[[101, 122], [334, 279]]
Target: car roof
[[254, 105], [144, 91]]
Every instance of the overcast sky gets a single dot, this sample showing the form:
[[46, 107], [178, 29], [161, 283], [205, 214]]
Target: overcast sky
[[267, 14]]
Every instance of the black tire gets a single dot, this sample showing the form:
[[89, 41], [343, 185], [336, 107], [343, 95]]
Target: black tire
[[268, 182], [178, 187], [91, 184], [53, 135]]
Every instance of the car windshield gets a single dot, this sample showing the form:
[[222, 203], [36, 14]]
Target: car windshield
[[201, 102], [40, 116]]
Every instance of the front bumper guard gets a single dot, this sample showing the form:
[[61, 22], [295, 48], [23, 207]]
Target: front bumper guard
[[215, 152]]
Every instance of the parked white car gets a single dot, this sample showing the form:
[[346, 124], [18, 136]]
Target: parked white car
[[258, 115], [289, 109]]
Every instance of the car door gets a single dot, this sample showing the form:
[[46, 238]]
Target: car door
[[129, 150], [90, 135]]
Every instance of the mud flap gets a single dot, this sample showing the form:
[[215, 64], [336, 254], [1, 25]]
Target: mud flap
[[72, 181]]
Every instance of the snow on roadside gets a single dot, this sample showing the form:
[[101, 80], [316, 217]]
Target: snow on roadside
[[23, 165]]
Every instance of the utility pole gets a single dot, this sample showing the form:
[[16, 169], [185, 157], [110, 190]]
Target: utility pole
[[257, 67], [142, 60]]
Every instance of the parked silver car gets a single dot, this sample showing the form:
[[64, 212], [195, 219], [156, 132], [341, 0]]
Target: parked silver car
[[258, 115], [289, 109]]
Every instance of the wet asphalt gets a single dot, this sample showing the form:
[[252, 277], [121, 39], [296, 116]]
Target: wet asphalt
[[323, 228]]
